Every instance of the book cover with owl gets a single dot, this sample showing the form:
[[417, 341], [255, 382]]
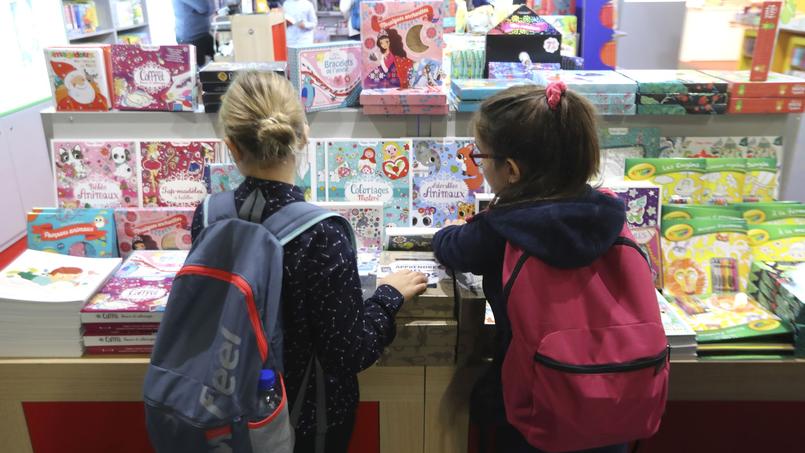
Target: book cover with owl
[[96, 174], [327, 75], [172, 172], [402, 44], [445, 181], [153, 229], [76, 232], [146, 77], [371, 171], [366, 219], [79, 77]]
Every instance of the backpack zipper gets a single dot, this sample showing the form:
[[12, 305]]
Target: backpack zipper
[[657, 362], [243, 286]]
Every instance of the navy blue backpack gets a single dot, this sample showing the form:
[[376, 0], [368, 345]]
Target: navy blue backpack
[[222, 326]]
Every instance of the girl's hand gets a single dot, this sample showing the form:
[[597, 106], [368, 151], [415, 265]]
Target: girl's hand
[[409, 283]]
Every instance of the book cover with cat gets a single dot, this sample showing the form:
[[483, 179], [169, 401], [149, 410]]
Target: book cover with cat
[[79, 77], [142, 284], [366, 220], [173, 171], [96, 174], [77, 232], [402, 44], [372, 171], [148, 77], [445, 181], [153, 229]]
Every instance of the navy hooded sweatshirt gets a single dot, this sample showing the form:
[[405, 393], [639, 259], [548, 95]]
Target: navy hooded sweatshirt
[[567, 234]]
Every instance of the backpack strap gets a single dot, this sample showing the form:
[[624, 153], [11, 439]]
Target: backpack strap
[[295, 218]]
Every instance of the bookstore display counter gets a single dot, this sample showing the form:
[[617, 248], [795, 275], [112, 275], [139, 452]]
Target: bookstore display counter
[[425, 406]]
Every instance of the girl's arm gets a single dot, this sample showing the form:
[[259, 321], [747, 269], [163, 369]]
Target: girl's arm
[[349, 332], [473, 247]]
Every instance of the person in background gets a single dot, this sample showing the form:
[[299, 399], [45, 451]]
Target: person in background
[[351, 9], [193, 27], [301, 21], [322, 303]]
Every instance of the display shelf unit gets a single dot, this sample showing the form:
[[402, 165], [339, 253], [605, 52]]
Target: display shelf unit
[[110, 25]]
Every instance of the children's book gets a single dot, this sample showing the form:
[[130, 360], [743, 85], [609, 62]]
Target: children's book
[[326, 75], [445, 181], [77, 232], [96, 174], [46, 277], [138, 291], [402, 44], [705, 256], [372, 171], [79, 77], [760, 182], [153, 229], [154, 77], [366, 220], [724, 317], [222, 177], [172, 172], [680, 179]]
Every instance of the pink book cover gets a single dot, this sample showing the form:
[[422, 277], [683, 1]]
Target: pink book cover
[[110, 350], [405, 110], [402, 44], [96, 174], [154, 77], [153, 229], [140, 285], [173, 172], [409, 97]]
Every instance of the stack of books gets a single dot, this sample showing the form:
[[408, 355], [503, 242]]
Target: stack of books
[[678, 92], [123, 318], [609, 92], [780, 93], [216, 77], [41, 295]]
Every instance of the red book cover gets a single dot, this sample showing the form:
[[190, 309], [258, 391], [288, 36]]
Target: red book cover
[[766, 105], [764, 43]]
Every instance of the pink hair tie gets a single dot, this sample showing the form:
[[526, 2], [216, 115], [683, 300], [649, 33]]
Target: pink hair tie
[[554, 92]]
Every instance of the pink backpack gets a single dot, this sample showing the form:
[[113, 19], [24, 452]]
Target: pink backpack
[[588, 361]]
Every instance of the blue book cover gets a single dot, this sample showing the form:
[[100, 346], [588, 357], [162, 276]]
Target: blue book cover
[[77, 232], [371, 171]]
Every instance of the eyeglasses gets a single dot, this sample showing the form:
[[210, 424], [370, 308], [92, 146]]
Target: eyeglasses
[[476, 158]]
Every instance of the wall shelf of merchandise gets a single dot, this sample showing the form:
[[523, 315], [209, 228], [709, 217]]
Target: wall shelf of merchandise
[[106, 21], [351, 122]]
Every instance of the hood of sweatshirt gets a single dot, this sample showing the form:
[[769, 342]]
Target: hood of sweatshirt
[[567, 234]]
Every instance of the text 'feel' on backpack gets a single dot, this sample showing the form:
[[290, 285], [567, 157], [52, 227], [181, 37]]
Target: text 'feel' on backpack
[[587, 365], [222, 326]]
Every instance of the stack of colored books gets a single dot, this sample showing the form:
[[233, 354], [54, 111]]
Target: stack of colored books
[[216, 77], [468, 94], [610, 92], [678, 92], [780, 93], [41, 295], [124, 316]]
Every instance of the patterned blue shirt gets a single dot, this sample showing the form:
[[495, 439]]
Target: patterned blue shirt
[[323, 308]]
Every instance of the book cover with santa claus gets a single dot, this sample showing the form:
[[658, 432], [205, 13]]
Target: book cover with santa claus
[[79, 77]]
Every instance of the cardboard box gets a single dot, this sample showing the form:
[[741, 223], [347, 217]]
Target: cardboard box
[[717, 109], [688, 100], [411, 97], [592, 81], [764, 43], [766, 105], [775, 86], [406, 109], [683, 81]]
